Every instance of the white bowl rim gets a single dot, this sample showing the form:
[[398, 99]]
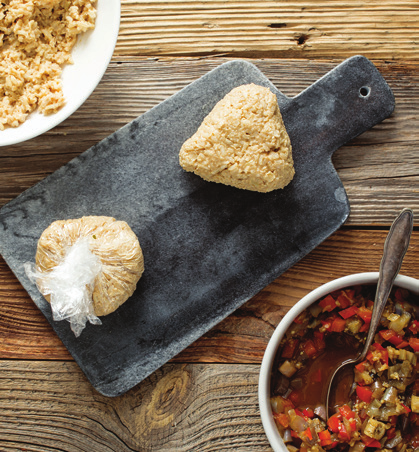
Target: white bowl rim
[[268, 423], [41, 124]]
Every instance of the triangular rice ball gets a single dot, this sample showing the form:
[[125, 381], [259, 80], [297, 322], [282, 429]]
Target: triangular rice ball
[[242, 142]]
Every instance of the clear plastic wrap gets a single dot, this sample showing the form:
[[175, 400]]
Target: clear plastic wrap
[[69, 286], [86, 268]]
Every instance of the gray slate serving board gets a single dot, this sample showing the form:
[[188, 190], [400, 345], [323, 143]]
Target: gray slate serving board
[[208, 248]]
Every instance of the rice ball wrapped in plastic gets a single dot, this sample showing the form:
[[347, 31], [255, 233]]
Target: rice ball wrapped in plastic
[[86, 268]]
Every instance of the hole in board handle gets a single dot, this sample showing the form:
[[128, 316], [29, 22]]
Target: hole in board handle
[[364, 91]]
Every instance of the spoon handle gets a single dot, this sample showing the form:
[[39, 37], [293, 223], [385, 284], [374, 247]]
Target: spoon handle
[[395, 248]]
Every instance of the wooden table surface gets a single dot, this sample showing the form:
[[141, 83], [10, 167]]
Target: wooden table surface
[[205, 399]]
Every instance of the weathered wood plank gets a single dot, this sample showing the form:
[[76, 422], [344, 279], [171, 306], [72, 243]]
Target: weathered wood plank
[[50, 406], [381, 29], [379, 169], [243, 336]]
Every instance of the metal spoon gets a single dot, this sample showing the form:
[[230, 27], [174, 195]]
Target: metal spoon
[[395, 248]]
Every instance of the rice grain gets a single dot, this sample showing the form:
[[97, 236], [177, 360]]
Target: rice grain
[[36, 39]]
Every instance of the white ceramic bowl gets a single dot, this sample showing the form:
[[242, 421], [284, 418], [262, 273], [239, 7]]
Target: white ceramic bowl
[[274, 437], [91, 54]]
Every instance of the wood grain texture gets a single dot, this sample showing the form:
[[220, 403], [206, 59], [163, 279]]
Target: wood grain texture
[[50, 406], [206, 398], [380, 29], [240, 338], [379, 169]]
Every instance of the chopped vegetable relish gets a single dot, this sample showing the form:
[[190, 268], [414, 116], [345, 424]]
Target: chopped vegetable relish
[[377, 403]]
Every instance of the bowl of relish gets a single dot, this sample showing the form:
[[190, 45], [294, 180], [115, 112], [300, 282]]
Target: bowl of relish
[[375, 404]]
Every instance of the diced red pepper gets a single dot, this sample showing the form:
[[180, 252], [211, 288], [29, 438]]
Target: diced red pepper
[[396, 339], [343, 300], [326, 442], [406, 408], [370, 442], [290, 348], [391, 433], [349, 312], [378, 346], [384, 356], [364, 328], [403, 344], [391, 336], [282, 419], [327, 324], [324, 434], [338, 325], [294, 397], [325, 438], [308, 434], [364, 393], [352, 423], [414, 327], [343, 433], [414, 343], [365, 314], [393, 420], [387, 334], [361, 366], [294, 434], [346, 412], [334, 422], [370, 356], [382, 353], [328, 303], [309, 348], [308, 412]]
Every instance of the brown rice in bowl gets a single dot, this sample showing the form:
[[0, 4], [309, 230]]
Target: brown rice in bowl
[[36, 39]]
